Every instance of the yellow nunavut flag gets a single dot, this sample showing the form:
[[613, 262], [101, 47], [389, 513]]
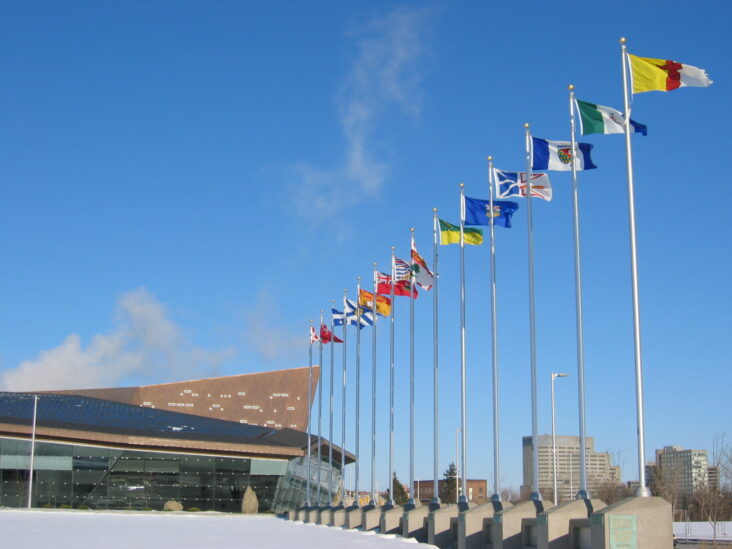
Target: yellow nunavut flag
[[383, 304], [664, 75]]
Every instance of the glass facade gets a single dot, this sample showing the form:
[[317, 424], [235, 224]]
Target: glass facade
[[94, 477]]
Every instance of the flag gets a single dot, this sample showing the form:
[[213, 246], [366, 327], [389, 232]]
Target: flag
[[353, 316], [339, 318], [557, 155], [664, 75], [422, 274], [327, 336], [313, 335], [510, 184], [450, 234], [599, 119], [401, 287], [477, 212], [383, 304], [402, 270]]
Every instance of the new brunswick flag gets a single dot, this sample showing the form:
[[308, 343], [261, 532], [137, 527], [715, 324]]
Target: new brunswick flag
[[383, 304], [664, 75]]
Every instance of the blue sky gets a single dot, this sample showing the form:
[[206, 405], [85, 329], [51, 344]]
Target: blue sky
[[186, 184]]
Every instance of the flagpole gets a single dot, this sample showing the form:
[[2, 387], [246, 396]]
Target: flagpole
[[643, 490], [373, 398], [535, 494], [310, 397], [462, 500], [33, 451], [358, 393], [330, 415], [583, 492], [390, 501], [342, 504], [411, 504], [496, 497], [320, 406], [435, 503]]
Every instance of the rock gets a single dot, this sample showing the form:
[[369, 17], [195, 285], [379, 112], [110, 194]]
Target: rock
[[249, 503], [172, 505]]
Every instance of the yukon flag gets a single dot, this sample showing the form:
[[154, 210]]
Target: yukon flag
[[599, 119], [664, 75]]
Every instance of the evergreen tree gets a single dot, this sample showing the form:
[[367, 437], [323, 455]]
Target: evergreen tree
[[448, 489], [400, 495]]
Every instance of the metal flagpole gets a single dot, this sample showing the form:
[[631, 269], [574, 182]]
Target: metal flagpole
[[373, 397], [463, 500], [435, 503], [411, 504], [33, 451], [330, 430], [343, 406], [358, 392], [535, 494], [643, 490], [320, 407], [582, 493], [390, 501], [496, 497], [310, 397]]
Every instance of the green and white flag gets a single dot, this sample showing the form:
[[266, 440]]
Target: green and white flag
[[599, 119]]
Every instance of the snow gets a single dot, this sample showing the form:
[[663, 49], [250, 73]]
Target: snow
[[703, 531], [41, 529]]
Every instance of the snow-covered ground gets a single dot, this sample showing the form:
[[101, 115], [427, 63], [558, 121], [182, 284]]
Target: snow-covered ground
[[703, 531], [56, 529]]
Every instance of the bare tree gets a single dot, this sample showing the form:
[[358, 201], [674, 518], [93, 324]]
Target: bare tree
[[713, 503], [612, 492]]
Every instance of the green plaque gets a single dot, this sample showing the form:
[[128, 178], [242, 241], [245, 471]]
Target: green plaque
[[541, 519], [623, 532]]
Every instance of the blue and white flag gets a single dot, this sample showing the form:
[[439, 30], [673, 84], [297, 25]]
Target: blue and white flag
[[510, 184], [352, 316], [557, 155], [478, 212], [338, 317]]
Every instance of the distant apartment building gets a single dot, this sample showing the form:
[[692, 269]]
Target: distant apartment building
[[684, 471], [600, 469]]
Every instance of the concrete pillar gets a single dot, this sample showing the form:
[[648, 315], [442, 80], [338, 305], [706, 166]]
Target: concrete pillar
[[413, 523], [391, 520], [470, 525], [439, 529], [292, 515], [504, 529], [338, 517], [552, 526], [637, 522], [353, 518], [370, 518]]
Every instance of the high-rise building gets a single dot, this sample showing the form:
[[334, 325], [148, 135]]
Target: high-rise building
[[683, 471], [600, 469]]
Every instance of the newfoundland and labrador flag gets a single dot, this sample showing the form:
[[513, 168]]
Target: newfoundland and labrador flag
[[557, 155], [510, 184], [478, 212], [599, 119]]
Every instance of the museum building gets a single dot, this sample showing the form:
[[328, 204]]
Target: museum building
[[138, 448]]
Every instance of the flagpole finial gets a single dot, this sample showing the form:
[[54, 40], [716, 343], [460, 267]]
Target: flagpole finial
[[345, 290], [411, 229], [332, 301], [490, 159], [526, 125], [622, 40], [571, 87], [434, 210], [393, 248], [374, 264], [358, 278], [462, 185]]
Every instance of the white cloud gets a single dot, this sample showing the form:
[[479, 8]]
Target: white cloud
[[145, 345], [268, 337], [382, 83]]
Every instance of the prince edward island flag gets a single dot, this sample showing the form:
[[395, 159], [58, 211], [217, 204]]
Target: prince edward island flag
[[557, 155]]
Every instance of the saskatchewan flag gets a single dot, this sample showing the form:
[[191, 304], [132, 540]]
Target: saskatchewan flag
[[599, 119], [450, 234]]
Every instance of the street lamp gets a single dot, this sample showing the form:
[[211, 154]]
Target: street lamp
[[554, 437]]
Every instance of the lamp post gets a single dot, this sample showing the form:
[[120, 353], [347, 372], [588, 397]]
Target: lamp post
[[554, 437]]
